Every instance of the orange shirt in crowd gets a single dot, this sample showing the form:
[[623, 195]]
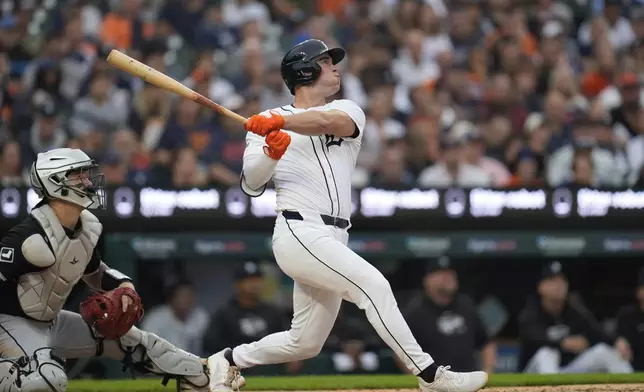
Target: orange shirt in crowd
[[335, 7], [527, 43], [515, 182], [593, 83], [117, 30]]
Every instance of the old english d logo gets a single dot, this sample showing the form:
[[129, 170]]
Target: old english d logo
[[332, 140]]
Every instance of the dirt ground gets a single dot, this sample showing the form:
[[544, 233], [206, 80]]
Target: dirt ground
[[560, 388]]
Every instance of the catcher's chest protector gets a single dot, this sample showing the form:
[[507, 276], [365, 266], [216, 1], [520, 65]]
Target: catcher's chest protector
[[42, 294]]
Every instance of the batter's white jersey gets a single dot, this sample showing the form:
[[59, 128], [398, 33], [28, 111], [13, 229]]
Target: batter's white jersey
[[315, 172]]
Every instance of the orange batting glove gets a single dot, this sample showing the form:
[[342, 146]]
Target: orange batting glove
[[277, 143], [262, 124]]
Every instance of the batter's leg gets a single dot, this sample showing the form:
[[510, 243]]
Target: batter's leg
[[326, 263], [314, 313], [143, 351], [27, 363], [312, 255]]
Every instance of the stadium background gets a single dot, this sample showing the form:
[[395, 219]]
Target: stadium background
[[539, 99]]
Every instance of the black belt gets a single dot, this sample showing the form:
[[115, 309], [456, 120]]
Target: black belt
[[327, 219]]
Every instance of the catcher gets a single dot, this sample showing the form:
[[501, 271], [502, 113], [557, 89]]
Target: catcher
[[41, 259]]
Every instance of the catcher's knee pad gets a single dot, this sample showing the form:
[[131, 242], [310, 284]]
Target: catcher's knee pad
[[148, 353], [9, 376], [44, 372]]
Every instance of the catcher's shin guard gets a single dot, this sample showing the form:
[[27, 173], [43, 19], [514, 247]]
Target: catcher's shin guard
[[147, 353], [44, 372]]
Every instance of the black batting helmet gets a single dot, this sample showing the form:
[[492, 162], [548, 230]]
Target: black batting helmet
[[299, 65]]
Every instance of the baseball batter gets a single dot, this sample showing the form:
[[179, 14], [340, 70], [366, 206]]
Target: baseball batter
[[41, 259], [309, 150]]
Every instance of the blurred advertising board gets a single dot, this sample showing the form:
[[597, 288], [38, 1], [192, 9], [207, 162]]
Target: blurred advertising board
[[151, 209]]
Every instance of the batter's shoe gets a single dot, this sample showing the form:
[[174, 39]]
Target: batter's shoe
[[223, 376], [448, 381]]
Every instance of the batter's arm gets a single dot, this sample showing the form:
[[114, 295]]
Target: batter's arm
[[342, 118], [258, 168]]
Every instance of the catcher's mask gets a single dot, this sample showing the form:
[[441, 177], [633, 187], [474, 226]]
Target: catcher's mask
[[70, 175]]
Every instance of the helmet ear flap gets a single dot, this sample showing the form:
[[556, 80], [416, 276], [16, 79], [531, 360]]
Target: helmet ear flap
[[306, 72]]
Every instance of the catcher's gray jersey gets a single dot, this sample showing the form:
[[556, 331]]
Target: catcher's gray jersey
[[41, 261]]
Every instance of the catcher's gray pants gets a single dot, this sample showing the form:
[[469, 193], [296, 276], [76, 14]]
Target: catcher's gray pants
[[68, 335], [600, 358]]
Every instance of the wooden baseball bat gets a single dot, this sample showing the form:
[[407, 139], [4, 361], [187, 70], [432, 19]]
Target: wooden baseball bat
[[128, 64]]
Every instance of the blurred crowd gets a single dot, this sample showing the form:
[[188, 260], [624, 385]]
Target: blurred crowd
[[501, 93]]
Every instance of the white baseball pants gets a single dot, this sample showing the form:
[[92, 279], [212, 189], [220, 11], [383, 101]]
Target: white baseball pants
[[326, 271], [600, 358]]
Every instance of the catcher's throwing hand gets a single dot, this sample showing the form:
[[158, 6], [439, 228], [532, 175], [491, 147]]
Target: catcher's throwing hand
[[110, 314], [126, 300], [276, 144], [262, 124]]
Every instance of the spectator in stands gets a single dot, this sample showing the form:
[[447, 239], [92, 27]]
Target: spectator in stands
[[554, 118], [189, 126], [451, 170], [446, 322], [219, 88], [635, 150], [213, 33], [474, 154], [624, 117], [527, 171], [583, 171], [151, 109], [606, 169], [123, 27], [11, 170], [45, 133], [490, 67], [499, 143], [620, 32], [559, 336], [630, 328], [391, 171], [52, 51], [380, 127], [181, 321], [563, 81], [130, 152], [245, 318], [411, 68], [186, 172], [114, 169], [105, 110], [274, 93], [77, 60], [230, 141]]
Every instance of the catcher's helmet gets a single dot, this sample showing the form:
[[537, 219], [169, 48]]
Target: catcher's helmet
[[50, 173], [299, 65]]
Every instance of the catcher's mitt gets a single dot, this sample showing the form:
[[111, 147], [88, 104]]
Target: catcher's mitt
[[104, 312]]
